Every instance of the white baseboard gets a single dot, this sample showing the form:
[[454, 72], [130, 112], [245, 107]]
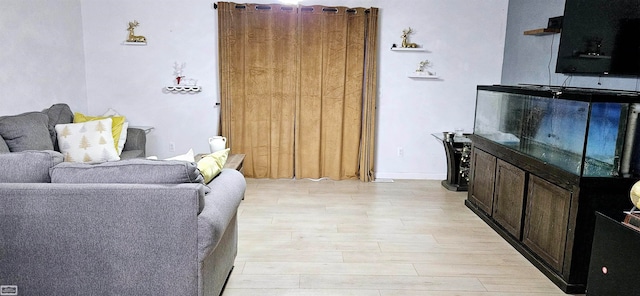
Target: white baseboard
[[410, 176]]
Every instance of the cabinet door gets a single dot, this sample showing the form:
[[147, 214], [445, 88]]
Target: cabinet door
[[483, 173], [508, 200], [546, 221]]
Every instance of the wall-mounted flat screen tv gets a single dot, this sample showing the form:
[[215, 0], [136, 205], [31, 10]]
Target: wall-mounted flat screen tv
[[600, 37]]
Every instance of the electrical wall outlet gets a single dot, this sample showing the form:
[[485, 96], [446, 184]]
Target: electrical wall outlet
[[400, 152], [172, 146]]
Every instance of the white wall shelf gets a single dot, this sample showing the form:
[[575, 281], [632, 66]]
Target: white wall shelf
[[407, 49], [183, 88], [541, 32], [422, 75], [590, 56], [134, 43]]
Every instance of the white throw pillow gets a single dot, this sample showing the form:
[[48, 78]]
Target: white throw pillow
[[123, 137], [123, 133], [111, 113], [185, 157], [90, 141]]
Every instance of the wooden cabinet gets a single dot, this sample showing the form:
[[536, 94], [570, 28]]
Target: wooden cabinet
[[545, 160], [509, 197], [498, 190], [483, 170], [546, 221], [545, 213]]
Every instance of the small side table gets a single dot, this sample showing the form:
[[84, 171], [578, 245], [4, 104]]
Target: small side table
[[457, 150], [236, 162], [146, 129]]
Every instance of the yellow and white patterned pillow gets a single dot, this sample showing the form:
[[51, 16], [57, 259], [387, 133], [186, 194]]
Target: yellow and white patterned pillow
[[117, 126], [90, 141]]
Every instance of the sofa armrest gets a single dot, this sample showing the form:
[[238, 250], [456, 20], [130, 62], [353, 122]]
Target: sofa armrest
[[136, 142], [220, 206], [85, 239]]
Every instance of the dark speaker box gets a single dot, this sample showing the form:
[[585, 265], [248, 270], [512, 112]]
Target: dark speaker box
[[555, 22]]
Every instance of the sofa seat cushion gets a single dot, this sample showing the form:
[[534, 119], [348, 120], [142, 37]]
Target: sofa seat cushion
[[130, 171], [28, 166], [26, 131]]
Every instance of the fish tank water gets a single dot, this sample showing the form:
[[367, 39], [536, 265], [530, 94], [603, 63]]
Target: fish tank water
[[577, 131]]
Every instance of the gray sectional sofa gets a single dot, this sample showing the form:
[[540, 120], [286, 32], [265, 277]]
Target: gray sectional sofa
[[128, 227], [36, 131]]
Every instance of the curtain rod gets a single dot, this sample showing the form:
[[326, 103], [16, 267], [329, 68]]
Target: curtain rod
[[215, 6]]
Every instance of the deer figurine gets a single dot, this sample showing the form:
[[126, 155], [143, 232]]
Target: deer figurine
[[132, 35], [422, 65], [181, 79], [405, 43]]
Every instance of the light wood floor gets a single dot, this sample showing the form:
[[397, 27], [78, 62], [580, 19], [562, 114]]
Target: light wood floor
[[300, 237]]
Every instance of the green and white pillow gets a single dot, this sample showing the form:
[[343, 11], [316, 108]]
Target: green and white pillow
[[90, 142]]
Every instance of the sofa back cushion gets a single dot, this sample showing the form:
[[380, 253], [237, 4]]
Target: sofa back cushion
[[58, 114], [3, 146], [130, 171], [26, 131], [28, 166]]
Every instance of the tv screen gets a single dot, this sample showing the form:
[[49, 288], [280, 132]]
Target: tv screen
[[600, 37]]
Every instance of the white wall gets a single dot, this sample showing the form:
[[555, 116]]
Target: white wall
[[41, 55], [464, 39], [130, 79], [465, 42], [532, 59]]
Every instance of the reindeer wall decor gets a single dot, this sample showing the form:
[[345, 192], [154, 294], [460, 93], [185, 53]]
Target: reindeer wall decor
[[422, 65], [132, 35], [405, 43], [181, 79]]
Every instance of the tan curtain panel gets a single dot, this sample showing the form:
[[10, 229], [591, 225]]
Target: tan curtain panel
[[298, 88], [331, 84], [258, 76], [370, 91]]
